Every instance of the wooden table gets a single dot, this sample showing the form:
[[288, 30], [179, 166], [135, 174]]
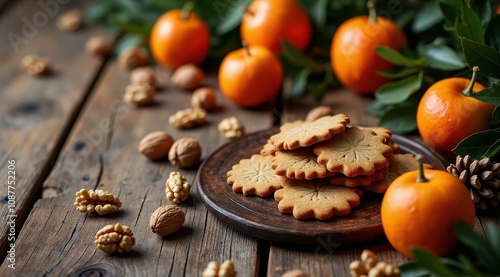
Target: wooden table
[[72, 130]]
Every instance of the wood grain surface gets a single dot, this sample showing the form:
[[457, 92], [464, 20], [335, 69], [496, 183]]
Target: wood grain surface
[[72, 130]]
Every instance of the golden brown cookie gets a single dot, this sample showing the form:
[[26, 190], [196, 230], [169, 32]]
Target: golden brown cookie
[[402, 163], [309, 133], [360, 180], [387, 134], [300, 163], [316, 199], [290, 125], [354, 152], [254, 176], [268, 149]]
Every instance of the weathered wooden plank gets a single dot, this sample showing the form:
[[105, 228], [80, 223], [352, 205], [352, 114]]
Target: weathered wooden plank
[[37, 113], [102, 152]]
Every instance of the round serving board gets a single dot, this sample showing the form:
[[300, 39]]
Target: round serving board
[[259, 217]]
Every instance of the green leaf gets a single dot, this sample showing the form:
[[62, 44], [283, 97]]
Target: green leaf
[[427, 16], [489, 95], [126, 42], [431, 262], [477, 144], [398, 73], [470, 26], [413, 269], [493, 150], [449, 11], [441, 57], [400, 118], [479, 247], [492, 34], [377, 108], [318, 13], [98, 10], [294, 55], [477, 54], [299, 84], [397, 58], [398, 91], [232, 17], [495, 118], [493, 233]]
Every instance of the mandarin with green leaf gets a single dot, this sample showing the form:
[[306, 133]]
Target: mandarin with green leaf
[[447, 113], [353, 57]]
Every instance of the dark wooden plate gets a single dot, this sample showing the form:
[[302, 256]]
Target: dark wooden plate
[[259, 217]]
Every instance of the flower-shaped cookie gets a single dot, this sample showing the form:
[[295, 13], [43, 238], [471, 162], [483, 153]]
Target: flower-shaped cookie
[[360, 180], [316, 199], [309, 133], [354, 152], [300, 163], [254, 176]]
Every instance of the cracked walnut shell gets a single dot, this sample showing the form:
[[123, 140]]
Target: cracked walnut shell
[[177, 187], [35, 66], [188, 118], [167, 220], [185, 152], [139, 94], [231, 128], [99, 201], [155, 145], [115, 238]]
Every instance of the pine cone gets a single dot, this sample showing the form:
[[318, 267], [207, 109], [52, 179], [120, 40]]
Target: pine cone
[[482, 178]]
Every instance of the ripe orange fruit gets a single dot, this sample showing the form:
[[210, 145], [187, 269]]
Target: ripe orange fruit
[[267, 22], [179, 37], [352, 52], [250, 76], [420, 212], [446, 115]]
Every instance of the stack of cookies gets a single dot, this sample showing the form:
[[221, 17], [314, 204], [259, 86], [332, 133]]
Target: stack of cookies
[[318, 169]]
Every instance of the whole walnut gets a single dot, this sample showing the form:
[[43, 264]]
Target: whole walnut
[[188, 77], [99, 46], [133, 57], [185, 152], [166, 220], [155, 145], [143, 75], [319, 112], [204, 98]]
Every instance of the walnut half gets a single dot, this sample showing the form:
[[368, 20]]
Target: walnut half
[[213, 269], [99, 201], [188, 118], [115, 238], [177, 187]]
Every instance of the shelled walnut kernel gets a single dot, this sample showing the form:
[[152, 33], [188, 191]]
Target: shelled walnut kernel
[[99, 201], [213, 269], [231, 128], [133, 57], [177, 187], [155, 145], [187, 76], [185, 152], [139, 94], [166, 220], [99, 46], [70, 21], [188, 118], [35, 66], [115, 238], [204, 98], [370, 266]]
